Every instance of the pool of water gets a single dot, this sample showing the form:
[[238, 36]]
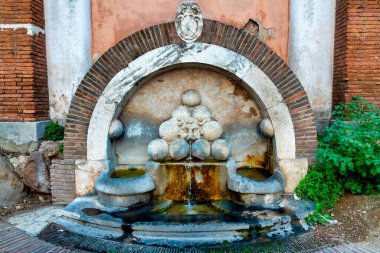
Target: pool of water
[[161, 212], [254, 173], [127, 173], [189, 208]]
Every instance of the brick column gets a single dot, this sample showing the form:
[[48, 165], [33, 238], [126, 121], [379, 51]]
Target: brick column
[[23, 77], [357, 51]]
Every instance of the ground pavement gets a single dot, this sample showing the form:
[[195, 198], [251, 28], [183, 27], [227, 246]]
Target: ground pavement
[[18, 236]]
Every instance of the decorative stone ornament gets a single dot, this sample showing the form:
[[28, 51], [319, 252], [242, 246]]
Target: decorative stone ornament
[[220, 150], [116, 129], [179, 149], [158, 150], [181, 112], [202, 114], [189, 21], [266, 128], [169, 130], [190, 127], [201, 149], [191, 98], [212, 130]]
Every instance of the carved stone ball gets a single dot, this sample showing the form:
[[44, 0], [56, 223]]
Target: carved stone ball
[[158, 150], [201, 113], [212, 130], [266, 128], [181, 112], [169, 130], [201, 149], [220, 150], [179, 149], [191, 98], [116, 129]]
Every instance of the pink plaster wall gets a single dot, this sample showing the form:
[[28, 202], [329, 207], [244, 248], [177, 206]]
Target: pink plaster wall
[[113, 20]]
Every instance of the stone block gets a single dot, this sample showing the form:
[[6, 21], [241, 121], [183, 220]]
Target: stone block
[[11, 187], [19, 163], [36, 173], [49, 148], [86, 173], [21, 137], [294, 170]]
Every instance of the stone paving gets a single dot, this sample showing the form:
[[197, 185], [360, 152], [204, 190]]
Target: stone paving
[[19, 237], [302, 243], [34, 221]]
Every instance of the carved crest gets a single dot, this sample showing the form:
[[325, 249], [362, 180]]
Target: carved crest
[[189, 21]]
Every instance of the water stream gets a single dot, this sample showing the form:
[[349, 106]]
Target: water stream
[[189, 167]]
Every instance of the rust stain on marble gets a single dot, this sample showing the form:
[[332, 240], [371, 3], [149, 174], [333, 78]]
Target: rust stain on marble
[[199, 183], [257, 161]]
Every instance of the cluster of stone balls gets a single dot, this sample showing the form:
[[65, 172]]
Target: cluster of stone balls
[[190, 131]]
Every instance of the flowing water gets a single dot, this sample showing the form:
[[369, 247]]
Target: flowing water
[[189, 200]]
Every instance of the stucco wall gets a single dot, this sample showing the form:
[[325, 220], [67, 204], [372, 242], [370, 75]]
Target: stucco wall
[[307, 25], [311, 51], [68, 49], [116, 19]]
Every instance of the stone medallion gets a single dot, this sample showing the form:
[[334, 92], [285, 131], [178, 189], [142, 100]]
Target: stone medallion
[[189, 21]]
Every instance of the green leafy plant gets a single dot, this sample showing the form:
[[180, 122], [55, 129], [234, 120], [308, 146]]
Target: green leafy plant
[[318, 216], [61, 146], [321, 186], [54, 131], [348, 158], [351, 146]]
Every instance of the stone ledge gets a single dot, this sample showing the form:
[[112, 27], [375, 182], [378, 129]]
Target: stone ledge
[[21, 137]]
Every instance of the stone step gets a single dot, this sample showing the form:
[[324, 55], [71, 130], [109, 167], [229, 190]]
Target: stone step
[[189, 227], [186, 238], [84, 228]]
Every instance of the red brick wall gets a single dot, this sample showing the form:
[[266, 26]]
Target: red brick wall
[[357, 50], [125, 51], [22, 12], [23, 75]]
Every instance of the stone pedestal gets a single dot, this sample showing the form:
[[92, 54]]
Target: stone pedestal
[[294, 170], [86, 173]]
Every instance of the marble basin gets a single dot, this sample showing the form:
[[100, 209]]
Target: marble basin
[[123, 187], [262, 192]]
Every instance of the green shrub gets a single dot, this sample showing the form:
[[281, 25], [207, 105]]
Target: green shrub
[[61, 146], [348, 157], [54, 131], [322, 187], [351, 146], [318, 216]]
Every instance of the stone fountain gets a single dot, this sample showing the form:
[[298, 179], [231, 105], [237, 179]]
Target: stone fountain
[[191, 143], [193, 188]]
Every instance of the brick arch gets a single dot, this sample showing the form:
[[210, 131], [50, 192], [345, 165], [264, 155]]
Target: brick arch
[[120, 55]]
